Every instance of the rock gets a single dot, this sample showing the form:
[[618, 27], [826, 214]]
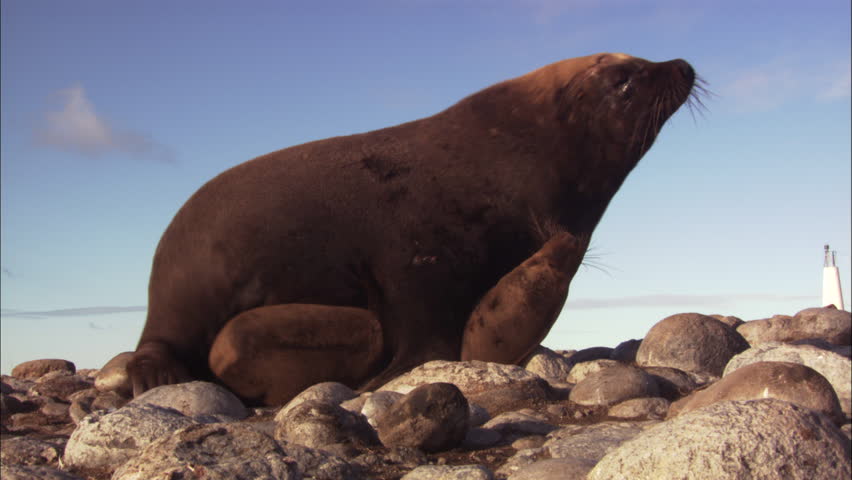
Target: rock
[[513, 425], [478, 438], [654, 408], [583, 369], [113, 376], [10, 405], [320, 425], [829, 324], [432, 417], [195, 398], [529, 441], [752, 439], [478, 415], [835, 368], [673, 383], [217, 451], [11, 384], [59, 385], [327, 392], [614, 385], [30, 451], [107, 441], [35, 369], [25, 472], [377, 404], [791, 382], [589, 354], [320, 465], [548, 365], [444, 472], [592, 442], [625, 352], [493, 386], [690, 342], [555, 469], [728, 320]]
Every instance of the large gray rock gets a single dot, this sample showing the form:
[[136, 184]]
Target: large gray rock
[[690, 342], [829, 324], [194, 399], [333, 393], [316, 424], [759, 439], [548, 365], [107, 441], [791, 382], [836, 368], [432, 417], [613, 385], [215, 452]]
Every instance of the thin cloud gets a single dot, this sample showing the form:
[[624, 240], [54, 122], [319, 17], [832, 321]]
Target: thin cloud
[[76, 127], [70, 312], [770, 85], [679, 300], [8, 273]]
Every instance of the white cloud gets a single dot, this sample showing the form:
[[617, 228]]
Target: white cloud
[[679, 300], [70, 312], [77, 128]]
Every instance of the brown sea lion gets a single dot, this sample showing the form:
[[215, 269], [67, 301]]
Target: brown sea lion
[[357, 258]]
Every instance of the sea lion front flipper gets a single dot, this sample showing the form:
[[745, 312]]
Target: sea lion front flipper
[[270, 354], [515, 315], [153, 365]]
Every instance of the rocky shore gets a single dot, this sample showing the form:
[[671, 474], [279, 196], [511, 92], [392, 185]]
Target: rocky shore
[[700, 397]]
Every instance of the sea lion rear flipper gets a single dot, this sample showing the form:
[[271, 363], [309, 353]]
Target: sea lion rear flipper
[[516, 314], [270, 354]]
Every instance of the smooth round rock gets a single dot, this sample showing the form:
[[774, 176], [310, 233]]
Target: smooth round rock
[[613, 385]]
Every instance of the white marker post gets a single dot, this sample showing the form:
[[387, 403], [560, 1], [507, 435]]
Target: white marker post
[[831, 293]]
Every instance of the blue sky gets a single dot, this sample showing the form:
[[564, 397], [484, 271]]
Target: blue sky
[[114, 113]]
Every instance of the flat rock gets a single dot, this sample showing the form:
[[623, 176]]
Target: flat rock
[[214, 451], [582, 370], [108, 440], [836, 368], [30, 472], [194, 399], [613, 385], [445, 472], [690, 342], [791, 382], [31, 451], [750, 440], [555, 469], [432, 417], [519, 424], [35, 369]]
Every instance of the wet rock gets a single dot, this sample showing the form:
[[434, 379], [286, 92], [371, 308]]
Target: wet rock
[[614, 385], [194, 399], [791, 382], [35, 369], [690, 342], [432, 417]]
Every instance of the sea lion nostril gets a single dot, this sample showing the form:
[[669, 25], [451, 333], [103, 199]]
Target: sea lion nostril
[[684, 68]]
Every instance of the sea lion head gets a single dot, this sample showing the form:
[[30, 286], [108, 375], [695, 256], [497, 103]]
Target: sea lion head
[[619, 103]]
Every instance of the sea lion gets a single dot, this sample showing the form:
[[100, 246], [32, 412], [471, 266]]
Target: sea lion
[[357, 258]]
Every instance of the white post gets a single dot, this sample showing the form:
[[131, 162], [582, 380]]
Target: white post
[[831, 293]]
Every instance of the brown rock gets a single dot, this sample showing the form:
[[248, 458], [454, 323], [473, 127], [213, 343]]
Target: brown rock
[[36, 368], [60, 386], [829, 324], [613, 385], [432, 417], [690, 342]]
